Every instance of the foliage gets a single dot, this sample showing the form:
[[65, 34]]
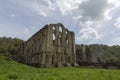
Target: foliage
[[9, 45], [102, 53], [11, 70]]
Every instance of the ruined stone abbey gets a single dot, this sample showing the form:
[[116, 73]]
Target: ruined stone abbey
[[51, 46]]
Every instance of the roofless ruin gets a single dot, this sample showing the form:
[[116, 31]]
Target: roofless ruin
[[51, 46]]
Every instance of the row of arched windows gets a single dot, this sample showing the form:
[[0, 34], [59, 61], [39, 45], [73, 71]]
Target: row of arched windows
[[60, 36], [60, 29]]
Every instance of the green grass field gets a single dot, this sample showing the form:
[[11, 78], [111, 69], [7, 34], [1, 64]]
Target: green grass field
[[11, 70]]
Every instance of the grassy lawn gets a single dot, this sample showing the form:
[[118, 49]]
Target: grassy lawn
[[11, 70]]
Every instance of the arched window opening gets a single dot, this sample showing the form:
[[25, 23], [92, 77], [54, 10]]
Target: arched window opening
[[69, 60], [53, 59], [47, 58], [60, 29], [61, 58], [53, 36], [60, 36], [66, 32], [67, 41], [53, 27]]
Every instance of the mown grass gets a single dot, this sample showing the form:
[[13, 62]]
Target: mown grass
[[11, 70]]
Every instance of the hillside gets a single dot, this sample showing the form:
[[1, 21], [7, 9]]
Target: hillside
[[11, 70], [94, 53], [98, 53], [9, 45]]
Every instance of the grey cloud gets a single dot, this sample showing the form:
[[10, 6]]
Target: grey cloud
[[93, 14], [78, 13], [93, 9], [89, 33]]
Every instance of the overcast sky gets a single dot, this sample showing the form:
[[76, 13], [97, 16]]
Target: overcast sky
[[92, 21]]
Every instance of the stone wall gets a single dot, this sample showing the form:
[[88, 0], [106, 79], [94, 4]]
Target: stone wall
[[83, 53], [52, 46]]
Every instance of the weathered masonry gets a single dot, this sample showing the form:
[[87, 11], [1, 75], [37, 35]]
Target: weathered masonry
[[52, 46]]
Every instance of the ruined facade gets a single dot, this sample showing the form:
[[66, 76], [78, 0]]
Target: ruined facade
[[53, 45], [83, 53]]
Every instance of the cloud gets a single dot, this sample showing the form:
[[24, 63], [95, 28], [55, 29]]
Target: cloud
[[117, 23], [106, 14], [87, 23], [49, 6], [77, 17], [94, 9], [115, 3], [42, 13], [95, 13], [89, 19], [35, 6], [66, 6], [89, 33]]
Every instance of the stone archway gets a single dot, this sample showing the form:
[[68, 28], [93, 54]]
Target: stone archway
[[69, 59], [53, 59]]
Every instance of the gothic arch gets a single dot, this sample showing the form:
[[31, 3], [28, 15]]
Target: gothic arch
[[53, 59]]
